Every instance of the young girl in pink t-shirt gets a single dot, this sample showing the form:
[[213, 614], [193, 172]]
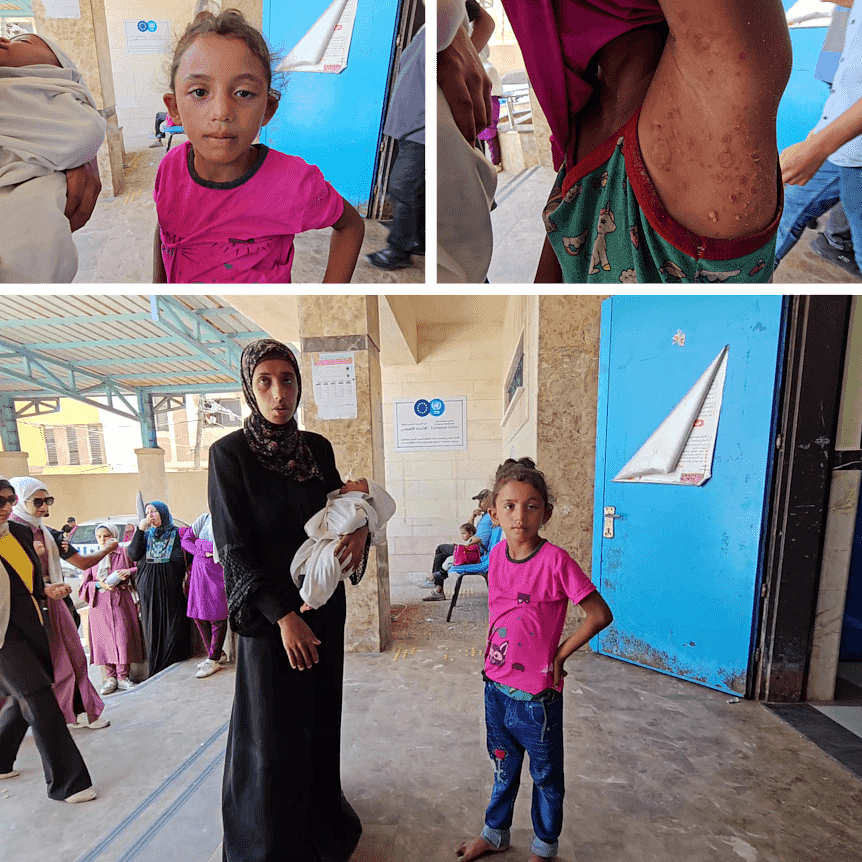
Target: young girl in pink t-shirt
[[530, 584], [229, 209]]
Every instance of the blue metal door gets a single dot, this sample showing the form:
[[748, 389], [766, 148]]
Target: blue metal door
[[331, 120], [682, 571]]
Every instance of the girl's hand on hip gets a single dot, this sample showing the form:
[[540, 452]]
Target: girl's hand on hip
[[351, 549], [299, 642], [559, 673]]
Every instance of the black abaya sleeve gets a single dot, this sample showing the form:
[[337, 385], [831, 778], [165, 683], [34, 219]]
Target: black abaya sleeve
[[137, 546]]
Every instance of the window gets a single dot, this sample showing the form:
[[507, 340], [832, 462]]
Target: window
[[72, 441], [50, 445], [97, 453], [224, 412], [162, 424], [515, 377]]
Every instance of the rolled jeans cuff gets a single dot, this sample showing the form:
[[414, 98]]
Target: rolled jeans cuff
[[541, 848], [497, 838]]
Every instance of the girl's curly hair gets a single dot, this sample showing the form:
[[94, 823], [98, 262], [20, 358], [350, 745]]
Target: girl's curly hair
[[522, 470]]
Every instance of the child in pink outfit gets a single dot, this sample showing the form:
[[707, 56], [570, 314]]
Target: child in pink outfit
[[530, 584], [228, 208]]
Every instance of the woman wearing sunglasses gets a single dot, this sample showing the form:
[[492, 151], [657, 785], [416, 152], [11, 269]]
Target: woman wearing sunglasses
[[78, 700], [26, 670]]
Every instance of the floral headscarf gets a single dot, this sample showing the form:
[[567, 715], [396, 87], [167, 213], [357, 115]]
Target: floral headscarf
[[160, 540], [279, 448]]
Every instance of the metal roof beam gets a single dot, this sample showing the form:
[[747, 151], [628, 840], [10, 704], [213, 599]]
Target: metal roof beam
[[102, 342], [23, 323]]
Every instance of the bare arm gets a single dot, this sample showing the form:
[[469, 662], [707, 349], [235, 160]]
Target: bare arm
[[159, 274], [548, 271], [707, 127], [483, 29], [84, 562], [344, 245], [598, 617], [801, 161]]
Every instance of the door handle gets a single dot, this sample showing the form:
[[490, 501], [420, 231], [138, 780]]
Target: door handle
[[610, 517]]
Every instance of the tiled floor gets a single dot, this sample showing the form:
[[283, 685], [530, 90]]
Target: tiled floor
[[657, 770]]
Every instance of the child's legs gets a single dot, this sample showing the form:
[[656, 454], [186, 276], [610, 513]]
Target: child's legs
[[110, 670], [219, 631], [707, 127], [36, 241], [543, 739], [803, 203], [508, 756], [122, 671], [205, 631], [851, 198]]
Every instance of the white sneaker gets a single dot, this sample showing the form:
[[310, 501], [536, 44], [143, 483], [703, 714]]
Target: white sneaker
[[125, 685], [208, 668], [97, 724], [224, 659], [109, 685], [12, 774], [82, 795]]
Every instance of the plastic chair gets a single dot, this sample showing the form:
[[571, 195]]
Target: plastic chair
[[480, 568], [170, 131]]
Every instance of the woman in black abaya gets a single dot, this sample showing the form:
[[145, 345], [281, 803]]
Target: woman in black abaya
[[281, 796]]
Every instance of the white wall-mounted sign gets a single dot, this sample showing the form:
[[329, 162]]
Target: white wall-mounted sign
[[430, 424], [62, 9], [680, 450], [145, 36], [333, 379]]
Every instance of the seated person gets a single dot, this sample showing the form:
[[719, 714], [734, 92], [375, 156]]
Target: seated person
[[662, 115], [468, 537], [48, 124], [315, 568]]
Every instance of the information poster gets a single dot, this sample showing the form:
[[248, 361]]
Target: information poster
[[333, 379], [147, 37], [325, 47], [680, 450], [430, 424], [62, 9]]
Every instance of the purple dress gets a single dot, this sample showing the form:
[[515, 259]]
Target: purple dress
[[115, 629], [207, 599]]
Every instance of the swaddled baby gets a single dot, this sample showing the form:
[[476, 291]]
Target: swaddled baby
[[48, 124], [315, 568]]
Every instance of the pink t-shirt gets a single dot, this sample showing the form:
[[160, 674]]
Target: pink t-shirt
[[527, 603], [240, 231], [558, 38]]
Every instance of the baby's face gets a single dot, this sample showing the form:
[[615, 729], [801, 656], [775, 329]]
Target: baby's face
[[27, 50], [355, 485], [465, 536]]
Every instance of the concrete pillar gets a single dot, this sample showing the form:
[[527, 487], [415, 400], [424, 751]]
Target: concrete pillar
[[9, 424], [567, 379], [14, 464], [153, 479], [335, 324], [85, 40]]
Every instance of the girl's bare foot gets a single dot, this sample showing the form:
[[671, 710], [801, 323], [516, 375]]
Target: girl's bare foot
[[476, 848]]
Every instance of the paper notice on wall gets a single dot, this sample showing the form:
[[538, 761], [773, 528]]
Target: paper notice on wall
[[147, 37], [324, 48], [62, 9], [426, 425], [680, 450], [333, 380]]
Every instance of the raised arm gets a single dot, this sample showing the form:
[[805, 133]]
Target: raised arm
[[707, 127]]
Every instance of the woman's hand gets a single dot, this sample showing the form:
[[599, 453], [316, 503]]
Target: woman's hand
[[104, 585], [466, 86], [145, 524], [82, 191], [299, 642], [38, 547], [57, 591], [352, 548]]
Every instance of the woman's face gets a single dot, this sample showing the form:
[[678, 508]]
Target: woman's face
[[103, 536], [8, 499], [276, 390], [37, 503], [153, 514]]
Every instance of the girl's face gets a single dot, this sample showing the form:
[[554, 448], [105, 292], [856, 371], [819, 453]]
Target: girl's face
[[103, 536], [221, 99], [153, 514], [276, 390], [38, 502], [521, 511]]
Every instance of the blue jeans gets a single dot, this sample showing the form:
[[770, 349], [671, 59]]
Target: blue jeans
[[513, 727], [801, 203]]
